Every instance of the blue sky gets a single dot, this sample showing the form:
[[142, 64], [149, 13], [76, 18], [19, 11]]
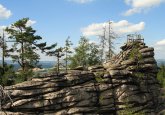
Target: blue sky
[[55, 20]]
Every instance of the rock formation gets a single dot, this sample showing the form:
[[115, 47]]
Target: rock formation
[[125, 85]]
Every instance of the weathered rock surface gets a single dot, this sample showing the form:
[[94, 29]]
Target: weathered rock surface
[[123, 85]]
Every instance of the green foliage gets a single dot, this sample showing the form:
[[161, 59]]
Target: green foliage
[[128, 109], [36, 75], [80, 56], [58, 53], [25, 44], [98, 79], [67, 50], [161, 75], [8, 75], [139, 74], [94, 58], [86, 54], [23, 76], [135, 54], [98, 76], [52, 70]]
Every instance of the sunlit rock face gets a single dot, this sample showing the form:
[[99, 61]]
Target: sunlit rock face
[[126, 84]]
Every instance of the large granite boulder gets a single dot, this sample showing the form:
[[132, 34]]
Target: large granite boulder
[[126, 84]]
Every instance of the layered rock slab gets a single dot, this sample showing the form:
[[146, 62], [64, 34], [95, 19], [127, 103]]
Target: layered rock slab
[[125, 84]]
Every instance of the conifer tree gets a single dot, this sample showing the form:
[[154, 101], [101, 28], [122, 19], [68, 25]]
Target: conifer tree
[[6, 70], [94, 55], [25, 45], [58, 53], [86, 54], [67, 50]]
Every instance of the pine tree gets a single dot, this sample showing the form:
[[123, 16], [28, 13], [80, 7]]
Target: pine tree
[[67, 50], [81, 53], [86, 54], [5, 51], [94, 55], [58, 53], [6, 71], [25, 45]]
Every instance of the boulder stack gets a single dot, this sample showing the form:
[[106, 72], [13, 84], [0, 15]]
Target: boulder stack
[[126, 84], [134, 73]]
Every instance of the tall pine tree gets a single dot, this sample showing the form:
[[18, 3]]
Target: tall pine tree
[[67, 50], [25, 45], [58, 53]]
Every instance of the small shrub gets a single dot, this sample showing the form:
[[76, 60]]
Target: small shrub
[[161, 75], [23, 76], [98, 76], [7, 75], [138, 74]]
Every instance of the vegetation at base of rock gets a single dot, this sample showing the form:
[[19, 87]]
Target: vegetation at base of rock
[[99, 79], [7, 75], [161, 75], [135, 54], [98, 76], [139, 74], [23, 76], [130, 111]]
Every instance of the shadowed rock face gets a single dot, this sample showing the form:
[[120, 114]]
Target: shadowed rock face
[[126, 84]]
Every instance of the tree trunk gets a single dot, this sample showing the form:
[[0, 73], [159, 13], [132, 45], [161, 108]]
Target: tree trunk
[[58, 64], [3, 53], [22, 60], [109, 41], [66, 62]]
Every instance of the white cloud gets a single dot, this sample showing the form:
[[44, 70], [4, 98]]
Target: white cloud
[[81, 1], [30, 22], [159, 47], [161, 42], [4, 13], [121, 27], [1, 29], [138, 6]]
